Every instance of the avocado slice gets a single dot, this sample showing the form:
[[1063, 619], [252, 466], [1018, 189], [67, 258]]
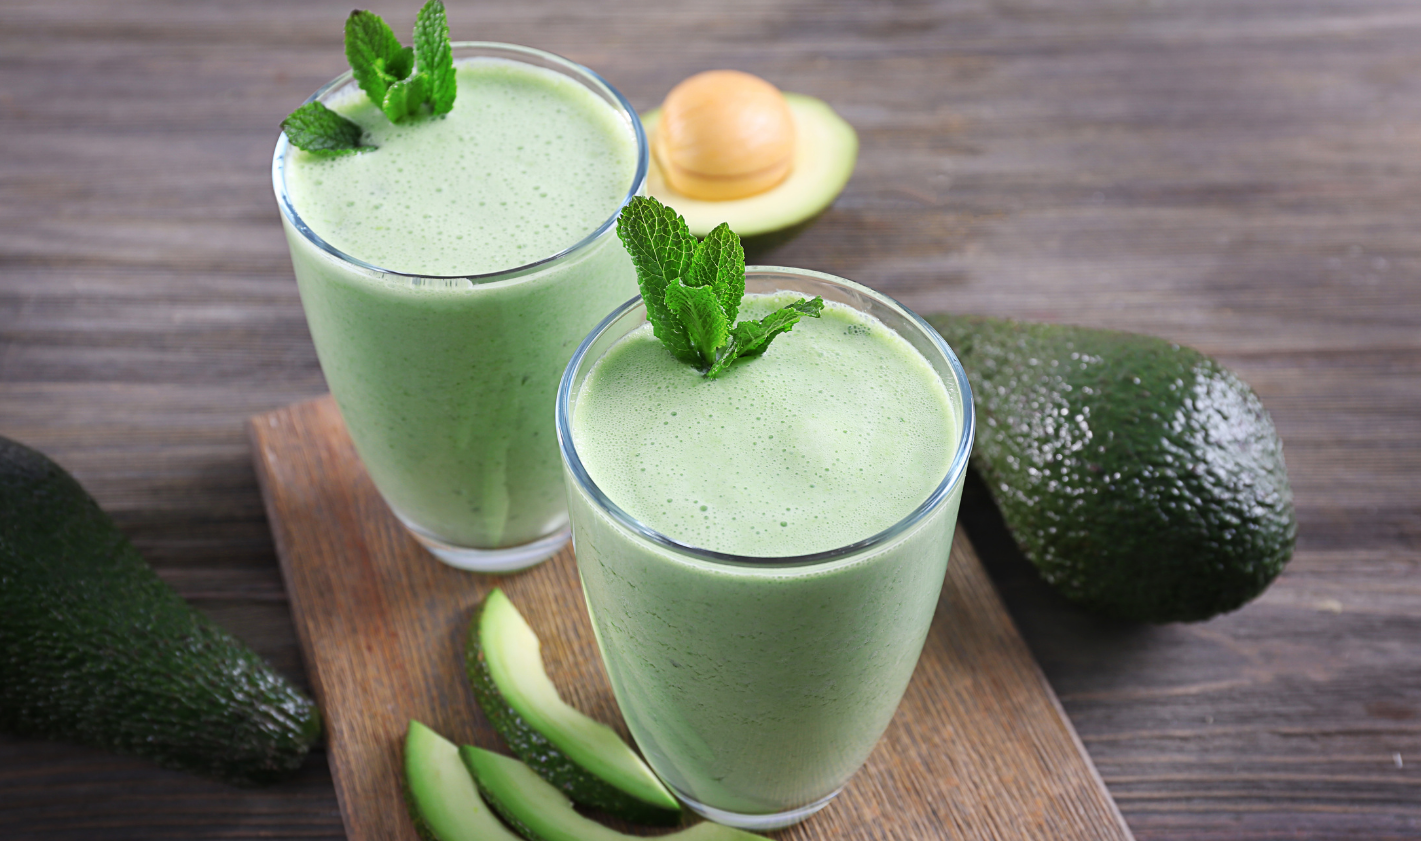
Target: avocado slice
[[444, 802], [1143, 479], [541, 813], [825, 151], [96, 649], [584, 758]]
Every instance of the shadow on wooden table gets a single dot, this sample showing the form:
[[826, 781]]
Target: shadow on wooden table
[[1055, 629]]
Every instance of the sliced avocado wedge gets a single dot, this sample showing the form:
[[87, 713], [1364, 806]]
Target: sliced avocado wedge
[[541, 813], [825, 150], [444, 802], [584, 758]]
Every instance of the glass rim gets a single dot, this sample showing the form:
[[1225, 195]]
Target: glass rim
[[938, 497], [283, 199]]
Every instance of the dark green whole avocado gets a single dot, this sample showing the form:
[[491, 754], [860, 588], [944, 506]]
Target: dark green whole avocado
[[96, 649], [1143, 479]]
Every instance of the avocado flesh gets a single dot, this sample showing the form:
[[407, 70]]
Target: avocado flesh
[[96, 649], [444, 802], [1144, 480], [825, 150], [541, 813], [584, 758]]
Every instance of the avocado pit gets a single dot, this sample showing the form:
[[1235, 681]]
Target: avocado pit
[[724, 135], [730, 147]]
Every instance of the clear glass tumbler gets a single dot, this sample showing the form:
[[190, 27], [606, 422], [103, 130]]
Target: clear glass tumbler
[[686, 633], [447, 384]]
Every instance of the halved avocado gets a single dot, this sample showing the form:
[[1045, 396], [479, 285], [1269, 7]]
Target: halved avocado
[[541, 812], [584, 758], [825, 150], [444, 802]]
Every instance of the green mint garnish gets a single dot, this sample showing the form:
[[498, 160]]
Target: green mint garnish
[[434, 56], [692, 290], [385, 70], [661, 248], [383, 67], [318, 129], [720, 263], [701, 315], [377, 59], [750, 338], [404, 98]]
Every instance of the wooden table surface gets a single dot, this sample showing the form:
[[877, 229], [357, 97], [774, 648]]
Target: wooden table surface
[[1242, 177]]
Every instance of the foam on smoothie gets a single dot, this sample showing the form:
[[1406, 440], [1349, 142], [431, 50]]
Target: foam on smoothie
[[527, 164], [839, 431]]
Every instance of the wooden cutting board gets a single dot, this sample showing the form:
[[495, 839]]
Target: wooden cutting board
[[979, 748]]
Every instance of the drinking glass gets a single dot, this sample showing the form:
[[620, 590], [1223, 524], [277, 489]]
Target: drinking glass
[[757, 686], [447, 384]]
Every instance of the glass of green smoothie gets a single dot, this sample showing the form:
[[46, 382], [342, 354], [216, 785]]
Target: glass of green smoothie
[[447, 276], [762, 552]]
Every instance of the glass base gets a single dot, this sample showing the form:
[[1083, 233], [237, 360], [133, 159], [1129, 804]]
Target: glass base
[[507, 559], [756, 823]]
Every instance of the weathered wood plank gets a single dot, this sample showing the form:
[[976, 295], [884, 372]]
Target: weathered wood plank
[[979, 747]]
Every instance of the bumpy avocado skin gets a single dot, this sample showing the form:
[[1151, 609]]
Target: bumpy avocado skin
[[1144, 480], [96, 649]]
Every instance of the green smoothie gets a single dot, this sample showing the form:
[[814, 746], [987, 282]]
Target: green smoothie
[[757, 688], [447, 383]]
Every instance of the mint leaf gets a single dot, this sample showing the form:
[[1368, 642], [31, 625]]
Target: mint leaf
[[434, 56], [377, 60], [760, 333], [383, 67], [692, 290], [719, 262], [401, 65], [751, 338], [661, 248], [699, 310], [316, 128], [404, 98]]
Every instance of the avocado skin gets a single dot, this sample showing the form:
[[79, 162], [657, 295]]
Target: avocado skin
[[580, 785], [421, 826], [1144, 480], [96, 649], [469, 756]]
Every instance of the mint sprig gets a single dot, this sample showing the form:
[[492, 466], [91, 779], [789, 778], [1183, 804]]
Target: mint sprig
[[751, 338], [318, 129], [719, 262], [661, 248], [377, 58], [699, 311], [376, 55], [404, 98], [434, 56], [386, 71], [693, 290]]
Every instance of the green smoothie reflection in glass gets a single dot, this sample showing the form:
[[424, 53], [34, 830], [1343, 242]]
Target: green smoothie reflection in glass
[[449, 263], [762, 517]]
